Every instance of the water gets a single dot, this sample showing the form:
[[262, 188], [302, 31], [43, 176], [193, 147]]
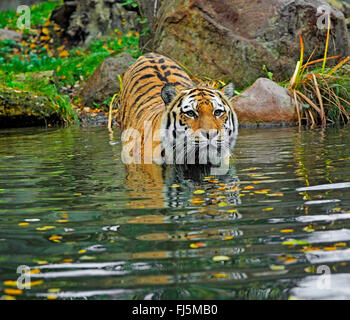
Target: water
[[90, 228]]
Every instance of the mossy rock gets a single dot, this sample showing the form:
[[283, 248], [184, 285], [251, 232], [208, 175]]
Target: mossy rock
[[21, 109]]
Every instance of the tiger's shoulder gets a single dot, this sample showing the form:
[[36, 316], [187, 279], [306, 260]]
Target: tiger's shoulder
[[142, 85]]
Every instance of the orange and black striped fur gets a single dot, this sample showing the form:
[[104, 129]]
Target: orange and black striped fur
[[162, 104]]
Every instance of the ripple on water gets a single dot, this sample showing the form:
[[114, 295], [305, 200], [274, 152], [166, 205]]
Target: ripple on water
[[89, 227]]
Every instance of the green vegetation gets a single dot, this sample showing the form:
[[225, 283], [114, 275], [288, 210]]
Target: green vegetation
[[41, 50], [40, 13], [322, 93]]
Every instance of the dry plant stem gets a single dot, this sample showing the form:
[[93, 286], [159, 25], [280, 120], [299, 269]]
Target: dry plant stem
[[320, 60], [339, 65], [317, 90], [309, 101], [297, 107], [312, 119], [295, 75]]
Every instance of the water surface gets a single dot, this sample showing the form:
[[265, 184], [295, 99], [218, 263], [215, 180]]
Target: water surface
[[90, 228]]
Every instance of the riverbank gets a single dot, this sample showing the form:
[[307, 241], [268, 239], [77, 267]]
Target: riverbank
[[41, 62]]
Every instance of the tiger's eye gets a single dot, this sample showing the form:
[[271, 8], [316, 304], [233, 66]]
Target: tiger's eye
[[218, 113], [190, 114]]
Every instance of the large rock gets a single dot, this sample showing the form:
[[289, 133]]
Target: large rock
[[104, 83], [6, 34], [87, 20], [234, 39], [265, 102]]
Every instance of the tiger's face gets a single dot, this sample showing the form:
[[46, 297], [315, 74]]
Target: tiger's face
[[199, 125]]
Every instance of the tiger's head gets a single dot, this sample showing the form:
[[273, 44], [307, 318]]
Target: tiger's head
[[199, 125]]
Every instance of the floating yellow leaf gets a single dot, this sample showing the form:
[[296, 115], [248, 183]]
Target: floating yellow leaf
[[55, 238], [290, 260], [22, 224], [222, 204], [199, 192], [276, 194], [309, 229], [221, 258], [340, 244], [262, 191], [268, 209], [249, 187], [45, 228], [34, 271], [51, 297], [287, 230], [175, 186], [276, 267], [10, 283], [330, 248], [220, 275], [13, 291]]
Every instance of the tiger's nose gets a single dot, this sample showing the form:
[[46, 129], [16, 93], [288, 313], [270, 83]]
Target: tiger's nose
[[209, 135]]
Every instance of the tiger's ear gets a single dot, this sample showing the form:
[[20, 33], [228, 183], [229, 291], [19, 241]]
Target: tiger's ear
[[229, 90], [169, 92]]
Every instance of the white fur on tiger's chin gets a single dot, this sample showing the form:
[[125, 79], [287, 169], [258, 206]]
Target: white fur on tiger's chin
[[204, 152]]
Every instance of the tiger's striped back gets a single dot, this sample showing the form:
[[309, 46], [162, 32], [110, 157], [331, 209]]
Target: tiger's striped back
[[142, 85]]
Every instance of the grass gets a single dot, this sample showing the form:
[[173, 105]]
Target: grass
[[40, 13], [43, 50], [322, 94]]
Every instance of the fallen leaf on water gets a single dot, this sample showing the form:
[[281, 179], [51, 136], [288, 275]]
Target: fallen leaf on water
[[45, 228], [222, 204], [221, 258], [54, 290], [220, 275], [197, 245], [329, 248], [13, 291], [276, 194], [199, 192], [295, 242], [287, 230], [268, 209], [290, 260], [276, 267], [10, 283]]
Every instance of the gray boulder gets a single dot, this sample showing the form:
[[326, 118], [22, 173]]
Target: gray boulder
[[104, 83]]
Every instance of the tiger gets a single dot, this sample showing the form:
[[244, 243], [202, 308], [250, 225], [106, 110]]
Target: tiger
[[166, 118]]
